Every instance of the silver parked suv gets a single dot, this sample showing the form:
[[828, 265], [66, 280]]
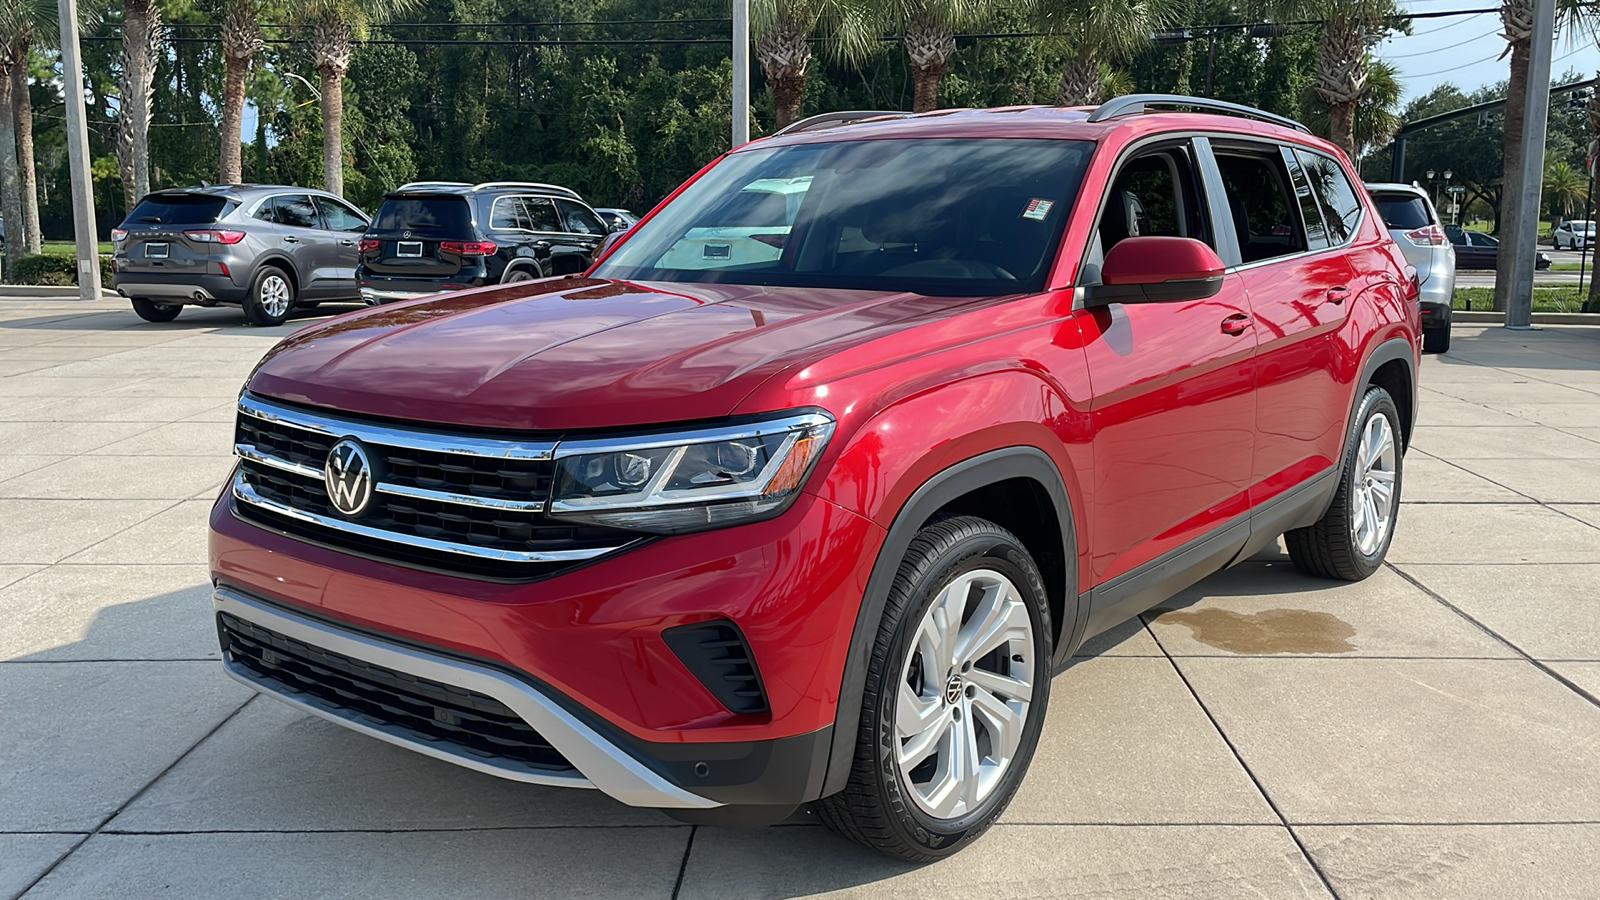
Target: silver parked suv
[[1414, 224], [268, 248]]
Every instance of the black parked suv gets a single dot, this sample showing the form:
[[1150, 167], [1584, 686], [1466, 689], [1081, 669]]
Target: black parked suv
[[266, 247], [433, 236]]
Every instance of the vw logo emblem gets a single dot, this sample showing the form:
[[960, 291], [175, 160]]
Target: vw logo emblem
[[348, 476]]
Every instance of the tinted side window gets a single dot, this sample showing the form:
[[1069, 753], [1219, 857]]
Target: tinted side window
[[507, 214], [296, 210], [541, 214], [578, 219], [1154, 194], [340, 217], [1260, 201], [1310, 214], [265, 212], [1329, 184]]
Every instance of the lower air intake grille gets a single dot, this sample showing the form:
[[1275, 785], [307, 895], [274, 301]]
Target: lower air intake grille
[[716, 653], [432, 712]]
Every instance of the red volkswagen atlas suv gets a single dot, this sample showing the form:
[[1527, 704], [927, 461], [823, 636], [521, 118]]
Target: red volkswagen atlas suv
[[804, 490]]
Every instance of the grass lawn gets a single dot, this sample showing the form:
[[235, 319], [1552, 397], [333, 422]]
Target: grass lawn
[[1560, 299], [68, 248]]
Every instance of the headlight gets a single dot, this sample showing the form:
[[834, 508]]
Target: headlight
[[689, 481]]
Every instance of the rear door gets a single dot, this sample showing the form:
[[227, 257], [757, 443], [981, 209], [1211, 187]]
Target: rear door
[[313, 249], [1299, 280], [344, 225], [156, 243], [408, 229], [582, 229]]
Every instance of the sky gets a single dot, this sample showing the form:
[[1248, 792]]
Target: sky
[[1465, 50]]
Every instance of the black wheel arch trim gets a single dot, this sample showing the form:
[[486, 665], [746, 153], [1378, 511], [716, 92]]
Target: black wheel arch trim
[[277, 261], [964, 477]]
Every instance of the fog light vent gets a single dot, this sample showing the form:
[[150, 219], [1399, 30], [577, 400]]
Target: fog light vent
[[716, 653]]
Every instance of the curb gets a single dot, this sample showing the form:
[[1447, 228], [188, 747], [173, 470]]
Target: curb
[[1539, 318], [47, 292]]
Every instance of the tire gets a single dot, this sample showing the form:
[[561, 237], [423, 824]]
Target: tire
[[1436, 340], [518, 275], [900, 811], [1341, 545], [271, 297], [151, 311]]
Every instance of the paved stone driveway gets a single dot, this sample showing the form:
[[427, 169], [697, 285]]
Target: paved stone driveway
[[1432, 732]]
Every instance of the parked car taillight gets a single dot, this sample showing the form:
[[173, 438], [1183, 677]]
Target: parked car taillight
[[367, 244], [1428, 236], [215, 237], [118, 234], [468, 248]]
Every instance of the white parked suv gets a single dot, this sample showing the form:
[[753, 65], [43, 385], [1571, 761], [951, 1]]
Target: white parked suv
[[1414, 224], [1574, 235]]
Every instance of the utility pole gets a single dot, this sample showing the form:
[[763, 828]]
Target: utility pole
[[741, 72], [1525, 246], [78, 155]]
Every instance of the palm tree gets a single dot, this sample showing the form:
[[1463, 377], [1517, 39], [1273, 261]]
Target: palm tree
[[23, 23], [1564, 188], [928, 29], [241, 41], [782, 29], [1349, 29], [141, 47], [1376, 119], [334, 24], [1098, 33]]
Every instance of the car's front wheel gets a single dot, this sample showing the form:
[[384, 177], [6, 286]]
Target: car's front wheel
[[1351, 539], [271, 297], [955, 695], [151, 311]]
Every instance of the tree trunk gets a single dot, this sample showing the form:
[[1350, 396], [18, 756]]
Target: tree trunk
[[1342, 127], [1080, 81], [22, 109], [241, 41], [141, 44], [10, 193], [1511, 167], [929, 47], [330, 50], [784, 56], [1341, 76]]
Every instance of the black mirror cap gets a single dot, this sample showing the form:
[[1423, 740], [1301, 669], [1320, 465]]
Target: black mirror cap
[[1153, 292]]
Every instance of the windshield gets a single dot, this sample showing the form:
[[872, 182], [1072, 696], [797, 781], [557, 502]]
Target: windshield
[[956, 217]]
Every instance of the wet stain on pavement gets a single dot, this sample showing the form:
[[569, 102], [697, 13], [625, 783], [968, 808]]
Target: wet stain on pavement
[[1268, 631]]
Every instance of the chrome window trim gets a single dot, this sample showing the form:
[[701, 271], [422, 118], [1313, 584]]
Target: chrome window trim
[[242, 491], [762, 428], [394, 435], [599, 762]]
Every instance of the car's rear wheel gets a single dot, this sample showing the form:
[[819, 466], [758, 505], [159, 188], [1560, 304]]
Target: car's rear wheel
[[955, 695], [519, 275], [271, 297], [1350, 541], [151, 311], [1436, 340]]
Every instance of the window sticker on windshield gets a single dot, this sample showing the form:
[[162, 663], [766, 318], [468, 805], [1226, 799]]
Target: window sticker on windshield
[[1037, 209]]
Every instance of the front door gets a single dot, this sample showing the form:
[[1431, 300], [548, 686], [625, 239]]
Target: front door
[[1174, 407], [314, 251], [343, 227]]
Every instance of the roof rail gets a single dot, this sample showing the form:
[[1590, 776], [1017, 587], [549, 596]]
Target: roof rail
[[1133, 104], [422, 185], [835, 118], [535, 185]]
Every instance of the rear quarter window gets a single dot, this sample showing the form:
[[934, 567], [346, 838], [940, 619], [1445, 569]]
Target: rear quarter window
[[1341, 209], [1403, 211], [426, 215], [178, 209]]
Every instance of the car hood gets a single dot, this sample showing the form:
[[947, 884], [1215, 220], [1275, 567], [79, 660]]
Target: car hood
[[577, 353]]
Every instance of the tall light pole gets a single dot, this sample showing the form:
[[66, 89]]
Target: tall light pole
[[78, 155], [1524, 246], [741, 72]]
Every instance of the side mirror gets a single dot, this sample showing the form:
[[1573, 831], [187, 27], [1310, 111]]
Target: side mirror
[[619, 226], [1157, 270]]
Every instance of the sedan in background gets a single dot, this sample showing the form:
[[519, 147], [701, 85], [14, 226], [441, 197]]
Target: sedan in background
[[1477, 250]]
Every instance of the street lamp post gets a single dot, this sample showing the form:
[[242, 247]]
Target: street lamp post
[[741, 72], [1433, 187], [88, 243]]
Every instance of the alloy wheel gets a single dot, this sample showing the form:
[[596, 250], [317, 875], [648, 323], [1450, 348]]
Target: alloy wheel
[[1374, 487], [275, 295], [964, 694]]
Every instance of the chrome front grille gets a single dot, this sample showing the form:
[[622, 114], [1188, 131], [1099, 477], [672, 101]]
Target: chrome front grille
[[463, 503]]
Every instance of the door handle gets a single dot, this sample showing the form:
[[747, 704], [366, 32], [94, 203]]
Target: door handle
[[1235, 324], [1338, 295], [347, 243], [291, 240]]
